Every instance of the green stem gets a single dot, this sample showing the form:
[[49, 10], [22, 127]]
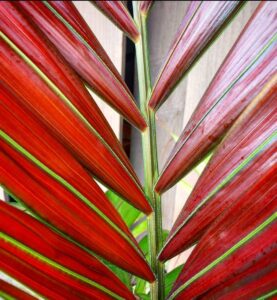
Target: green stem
[[150, 158]]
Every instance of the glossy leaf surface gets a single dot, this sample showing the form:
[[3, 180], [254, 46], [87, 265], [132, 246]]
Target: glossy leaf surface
[[38, 280], [247, 153], [119, 15], [255, 283], [11, 292], [55, 203], [171, 277], [33, 136], [128, 213], [83, 59], [68, 11], [44, 55], [236, 241], [37, 245], [43, 98], [248, 66], [201, 24]]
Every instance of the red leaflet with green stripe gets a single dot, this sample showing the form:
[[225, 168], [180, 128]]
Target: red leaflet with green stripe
[[236, 241], [247, 153], [253, 200], [41, 246], [8, 291], [119, 15], [46, 57], [257, 282], [200, 26], [68, 11], [263, 191], [83, 59], [60, 206], [50, 105], [248, 66], [37, 280], [33, 136]]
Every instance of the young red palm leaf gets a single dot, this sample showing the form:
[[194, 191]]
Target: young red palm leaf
[[37, 47], [33, 136], [255, 283], [37, 280], [53, 137], [244, 72], [68, 11], [198, 29], [41, 96], [235, 242], [119, 15], [43, 249], [252, 200], [11, 292], [63, 209], [73, 46], [245, 155]]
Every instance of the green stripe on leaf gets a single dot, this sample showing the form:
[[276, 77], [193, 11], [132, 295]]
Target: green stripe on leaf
[[229, 88], [225, 255], [63, 182], [61, 95], [228, 179], [55, 265]]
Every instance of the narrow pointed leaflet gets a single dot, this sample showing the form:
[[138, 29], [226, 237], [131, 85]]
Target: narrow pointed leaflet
[[37, 280], [8, 291], [119, 15], [43, 98], [200, 26], [40, 50], [255, 283], [247, 153], [62, 209], [81, 56], [34, 243], [248, 66], [33, 136], [238, 240], [68, 11]]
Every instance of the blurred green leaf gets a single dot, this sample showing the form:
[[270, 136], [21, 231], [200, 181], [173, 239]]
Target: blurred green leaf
[[140, 288], [128, 213], [171, 277], [140, 227], [141, 284], [144, 297], [121, 274], [144, 242]]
